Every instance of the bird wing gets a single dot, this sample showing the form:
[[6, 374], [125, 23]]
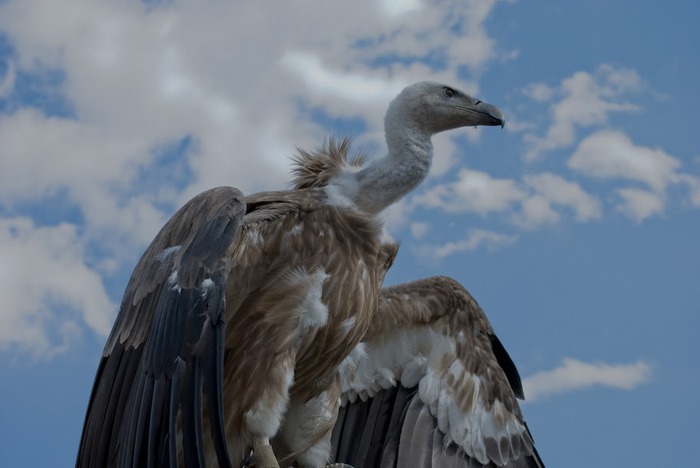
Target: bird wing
[[167, 345], [433, 388]]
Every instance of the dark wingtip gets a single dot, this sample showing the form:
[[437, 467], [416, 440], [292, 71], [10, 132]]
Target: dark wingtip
[[508, 366]]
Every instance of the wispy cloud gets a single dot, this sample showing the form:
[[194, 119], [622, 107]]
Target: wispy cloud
[[419, 229], [472, 191], [581, 100], [325, 82], [398, 7], [7, 80], [639, 204], [539, 199], [474, 239], [575, 375], [550, 190]]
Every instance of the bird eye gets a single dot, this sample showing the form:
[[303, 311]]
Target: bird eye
[[447, 92], [477, 102]]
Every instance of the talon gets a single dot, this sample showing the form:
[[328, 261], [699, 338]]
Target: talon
[[262, 457], [246, 461]]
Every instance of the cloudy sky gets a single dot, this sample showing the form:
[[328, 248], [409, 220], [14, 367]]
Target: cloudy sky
[[575, 227]]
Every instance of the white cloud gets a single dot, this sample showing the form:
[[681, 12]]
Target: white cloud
[[611, 154], [574, 375], [473, 191], [552, 189], [7, 81], [539, 92], [47, 289], [474, 47], [95, 171], [536, 211], [419, 229], [693, 184], [474, 239], [414, 32], [400, 7], [396, 216], [640, 204], [139, 79], [532, 203], [136, 78], [357, 87], [587, 100]]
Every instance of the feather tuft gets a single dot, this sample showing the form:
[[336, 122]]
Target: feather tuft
[[317, 168]]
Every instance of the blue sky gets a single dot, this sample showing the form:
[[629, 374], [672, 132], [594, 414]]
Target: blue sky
[[575, 227]]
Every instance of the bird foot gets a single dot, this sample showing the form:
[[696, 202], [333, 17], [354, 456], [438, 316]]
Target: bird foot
[[262, 457]]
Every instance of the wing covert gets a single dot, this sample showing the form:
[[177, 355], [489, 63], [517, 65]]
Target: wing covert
[[432, 358]]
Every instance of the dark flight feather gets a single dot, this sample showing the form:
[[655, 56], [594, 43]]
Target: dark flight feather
[[166, 349]]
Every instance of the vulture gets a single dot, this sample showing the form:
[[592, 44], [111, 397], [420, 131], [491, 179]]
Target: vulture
[[254, 330]]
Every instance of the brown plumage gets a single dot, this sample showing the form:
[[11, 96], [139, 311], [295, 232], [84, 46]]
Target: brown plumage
[[431, 342], [245, 315], [318, 168]]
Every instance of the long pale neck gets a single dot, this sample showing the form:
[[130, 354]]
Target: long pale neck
[[389, 179]]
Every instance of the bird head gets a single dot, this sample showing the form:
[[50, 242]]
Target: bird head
[[435, 107]]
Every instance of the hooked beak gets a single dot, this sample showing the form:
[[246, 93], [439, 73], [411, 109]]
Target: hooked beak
[[490, 114]]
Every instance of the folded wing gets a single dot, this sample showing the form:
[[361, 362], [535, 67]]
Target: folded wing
[[167, 345]]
